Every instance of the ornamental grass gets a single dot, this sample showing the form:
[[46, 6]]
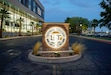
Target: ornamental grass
[[78, 48], [36, 48]]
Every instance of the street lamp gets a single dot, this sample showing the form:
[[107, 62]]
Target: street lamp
[[81, 27], [81, 24]]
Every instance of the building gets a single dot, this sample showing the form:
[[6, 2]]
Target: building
[[30, 11]]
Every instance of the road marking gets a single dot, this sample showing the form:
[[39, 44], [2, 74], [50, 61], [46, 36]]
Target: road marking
[[54, 69], [10, 50], [10, 44], [13, 52], [26, 40]]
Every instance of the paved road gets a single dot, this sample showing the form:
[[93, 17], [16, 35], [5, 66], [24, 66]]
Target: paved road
[[12, 48], [96, 60]]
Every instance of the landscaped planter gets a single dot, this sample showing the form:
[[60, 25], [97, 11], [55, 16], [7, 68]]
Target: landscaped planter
[[60, 59]]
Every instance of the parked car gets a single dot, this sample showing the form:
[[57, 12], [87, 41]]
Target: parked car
[[89, 34], [104, 35], [97, 35], [109, 35]]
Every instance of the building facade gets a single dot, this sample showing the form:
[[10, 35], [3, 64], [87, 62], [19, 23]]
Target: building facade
[[30, 11]]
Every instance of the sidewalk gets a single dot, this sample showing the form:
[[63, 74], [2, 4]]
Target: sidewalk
[[9, 38]]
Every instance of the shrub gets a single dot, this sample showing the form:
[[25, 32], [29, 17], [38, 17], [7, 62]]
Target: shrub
[[6, 36], [70, 53], [28, 31], [3, 30], [57, 54]]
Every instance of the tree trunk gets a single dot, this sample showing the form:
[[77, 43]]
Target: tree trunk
[[1, 27], [0, 33], [94, 30], [37, 30], [20, 29], [32, 29]]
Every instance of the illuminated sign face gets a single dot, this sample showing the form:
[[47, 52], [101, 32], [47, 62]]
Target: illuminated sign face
[[55, 37]]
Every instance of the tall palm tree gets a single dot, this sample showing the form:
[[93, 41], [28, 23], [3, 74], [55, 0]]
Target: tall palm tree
[[94, 24], [20, 25], [31, 24], [3, 14]]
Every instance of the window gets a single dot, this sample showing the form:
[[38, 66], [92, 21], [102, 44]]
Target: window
[[29, 4], [39, 11], [19, 0], [7, 23], [34, 6]]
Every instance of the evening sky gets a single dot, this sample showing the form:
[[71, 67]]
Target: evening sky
[[59, 10]]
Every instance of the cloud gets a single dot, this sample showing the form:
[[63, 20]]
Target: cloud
[[78, 3], [51, 2], [84, 3]]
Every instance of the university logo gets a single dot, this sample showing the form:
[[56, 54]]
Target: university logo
[[55, 37]]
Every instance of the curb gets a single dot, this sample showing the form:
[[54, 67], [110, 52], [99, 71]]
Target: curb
[[53, 59], [2, 39]]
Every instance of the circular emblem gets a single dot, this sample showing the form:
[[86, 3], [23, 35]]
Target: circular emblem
[[55, 37]]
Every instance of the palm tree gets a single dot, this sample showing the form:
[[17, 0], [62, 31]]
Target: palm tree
[[94, 24], [3, 14], [31, 24], [105, 19], [37, 26], [20, 24]]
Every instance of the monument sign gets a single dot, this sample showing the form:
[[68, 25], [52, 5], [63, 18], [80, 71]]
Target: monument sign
[[55, 36]]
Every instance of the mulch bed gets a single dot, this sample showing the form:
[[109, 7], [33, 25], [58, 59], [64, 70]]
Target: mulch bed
[[55, 54]]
